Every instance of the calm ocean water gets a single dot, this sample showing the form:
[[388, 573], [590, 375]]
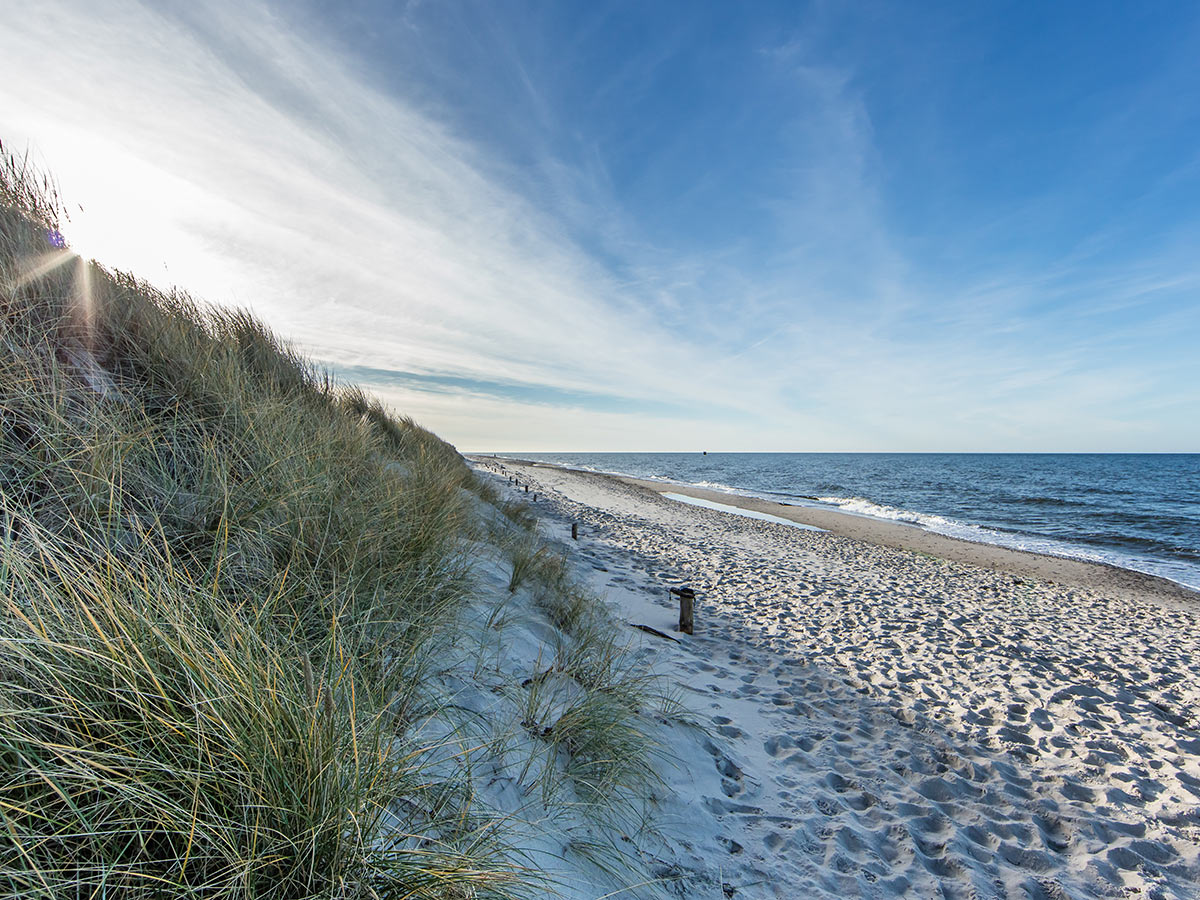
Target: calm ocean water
[[1139, 511]]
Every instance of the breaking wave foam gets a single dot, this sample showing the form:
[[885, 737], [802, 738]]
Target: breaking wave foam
[[1184, 575], [865, 507]]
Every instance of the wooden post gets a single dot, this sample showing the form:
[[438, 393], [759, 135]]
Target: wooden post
[[527, 489], [687, 607], [575, 531], [535, 498]]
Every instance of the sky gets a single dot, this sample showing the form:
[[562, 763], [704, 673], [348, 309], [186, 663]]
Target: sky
[[660, 226]]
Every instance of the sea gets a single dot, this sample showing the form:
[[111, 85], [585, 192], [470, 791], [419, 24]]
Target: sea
[[1139, 511]]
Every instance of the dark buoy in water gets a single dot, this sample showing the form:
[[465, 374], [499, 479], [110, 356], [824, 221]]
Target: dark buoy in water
[[704, 453]]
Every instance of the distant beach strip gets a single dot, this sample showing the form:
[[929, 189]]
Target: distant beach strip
[[1131, 512]]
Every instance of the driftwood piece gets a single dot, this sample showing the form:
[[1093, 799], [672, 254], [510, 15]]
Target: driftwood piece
[[687, 605], [654, 631]]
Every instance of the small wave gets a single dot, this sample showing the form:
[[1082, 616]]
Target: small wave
[[1179, 572], [784, 497], [865, 507], [1045, 501], [715, 486]]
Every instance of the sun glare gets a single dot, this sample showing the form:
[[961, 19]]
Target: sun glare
[[85, 310], [122, 209], [83, 300], [115, 244], [39, 266]]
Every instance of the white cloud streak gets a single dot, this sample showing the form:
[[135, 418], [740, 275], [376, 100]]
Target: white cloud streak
[[351, 221], [221, 149]]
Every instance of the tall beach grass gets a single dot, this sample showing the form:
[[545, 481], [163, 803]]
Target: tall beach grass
[[221, 575]]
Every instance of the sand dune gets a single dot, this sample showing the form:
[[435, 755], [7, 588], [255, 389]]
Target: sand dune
[[884, 722]]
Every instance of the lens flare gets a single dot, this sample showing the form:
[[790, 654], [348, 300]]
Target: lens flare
[[84, 305], [83, 301], [42, 265]]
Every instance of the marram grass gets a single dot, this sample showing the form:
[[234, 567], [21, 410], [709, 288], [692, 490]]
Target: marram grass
[[220, 578]]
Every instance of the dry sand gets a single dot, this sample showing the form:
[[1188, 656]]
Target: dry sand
[[894, 713]]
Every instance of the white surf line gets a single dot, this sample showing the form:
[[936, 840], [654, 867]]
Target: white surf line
[[738, 511]]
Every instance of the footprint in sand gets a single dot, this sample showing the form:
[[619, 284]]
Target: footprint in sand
[[779, 745]]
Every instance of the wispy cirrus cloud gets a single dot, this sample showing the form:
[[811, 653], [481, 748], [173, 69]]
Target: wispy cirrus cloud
[[259, 170], [517, 232]]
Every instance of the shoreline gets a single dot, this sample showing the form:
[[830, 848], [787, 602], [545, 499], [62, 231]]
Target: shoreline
[[878, 722], [1063, 570]]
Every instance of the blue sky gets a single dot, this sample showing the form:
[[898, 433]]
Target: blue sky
[[828, 226]]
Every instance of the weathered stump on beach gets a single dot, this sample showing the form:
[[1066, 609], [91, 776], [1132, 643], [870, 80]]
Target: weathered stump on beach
[[687, 607]]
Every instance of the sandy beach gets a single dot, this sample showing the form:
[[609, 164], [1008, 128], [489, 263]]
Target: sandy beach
[[887, 712]]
